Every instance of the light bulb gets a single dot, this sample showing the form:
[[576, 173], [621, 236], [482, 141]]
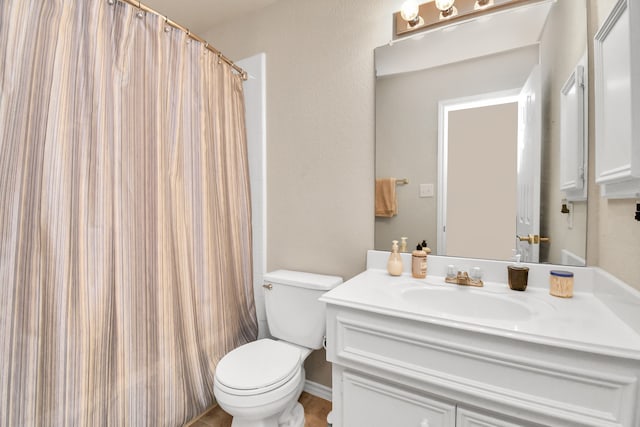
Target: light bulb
[[409, 11], [482, 4], [444, 5]]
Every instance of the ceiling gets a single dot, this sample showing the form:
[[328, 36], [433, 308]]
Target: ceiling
[[202, 15]]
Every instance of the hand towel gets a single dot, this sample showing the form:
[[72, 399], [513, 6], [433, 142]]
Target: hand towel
[[386, 204]]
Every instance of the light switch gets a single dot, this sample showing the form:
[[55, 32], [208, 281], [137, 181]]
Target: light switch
[[426, 190]]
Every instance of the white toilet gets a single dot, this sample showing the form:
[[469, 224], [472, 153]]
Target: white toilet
[[259, 383]]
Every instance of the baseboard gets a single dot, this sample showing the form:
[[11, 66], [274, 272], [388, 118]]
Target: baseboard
[[317, 390]]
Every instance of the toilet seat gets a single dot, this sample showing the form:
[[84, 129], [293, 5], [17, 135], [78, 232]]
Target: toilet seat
[[258, 367]]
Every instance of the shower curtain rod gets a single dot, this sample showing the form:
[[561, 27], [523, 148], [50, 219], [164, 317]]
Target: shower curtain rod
[[192, 36]]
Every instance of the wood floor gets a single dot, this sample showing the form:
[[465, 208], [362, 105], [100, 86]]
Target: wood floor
[[315, 414]]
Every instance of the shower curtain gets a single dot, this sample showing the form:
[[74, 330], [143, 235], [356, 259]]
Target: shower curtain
[[125, 240]]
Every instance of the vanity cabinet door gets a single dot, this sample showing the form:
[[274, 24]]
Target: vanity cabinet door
[[468, 418], [617, 95], [375, 404]]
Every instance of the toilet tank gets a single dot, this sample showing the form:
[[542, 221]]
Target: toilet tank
[[294, 313]]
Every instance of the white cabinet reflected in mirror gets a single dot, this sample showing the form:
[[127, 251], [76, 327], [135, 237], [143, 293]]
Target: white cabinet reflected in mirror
[[494, 54], [573, 142]]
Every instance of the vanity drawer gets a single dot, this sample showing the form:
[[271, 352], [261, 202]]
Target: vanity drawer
[[467, 418], [376, 404], [517, 378]]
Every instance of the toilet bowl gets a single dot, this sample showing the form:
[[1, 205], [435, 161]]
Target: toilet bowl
[[259, 383], [262, 392]]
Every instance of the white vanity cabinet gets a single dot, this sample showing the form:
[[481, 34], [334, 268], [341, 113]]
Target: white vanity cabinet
[[375, 403], [468, 418], [423, 352], [398, 371]]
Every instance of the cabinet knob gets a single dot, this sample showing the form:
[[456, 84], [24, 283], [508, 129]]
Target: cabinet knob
[[424, 423]]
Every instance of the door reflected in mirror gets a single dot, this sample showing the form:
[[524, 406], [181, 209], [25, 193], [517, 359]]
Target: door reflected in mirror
[[496, 55], [478, 140]]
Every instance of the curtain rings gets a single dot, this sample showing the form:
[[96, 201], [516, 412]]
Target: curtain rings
[[139, 13], [167, 27]]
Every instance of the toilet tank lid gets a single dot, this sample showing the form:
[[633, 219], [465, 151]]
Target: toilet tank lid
[[302, 279]]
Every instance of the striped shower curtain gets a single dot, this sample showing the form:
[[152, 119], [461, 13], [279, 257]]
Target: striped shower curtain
[[125, 240]]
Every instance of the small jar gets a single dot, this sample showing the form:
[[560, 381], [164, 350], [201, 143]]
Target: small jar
[[561, 283], [518, 277]]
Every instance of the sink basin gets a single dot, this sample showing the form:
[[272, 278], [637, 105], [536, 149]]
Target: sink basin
[[467, 302]]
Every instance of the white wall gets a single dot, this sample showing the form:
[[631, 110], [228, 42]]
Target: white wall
[[563, 43], [320, 130], [320, 126], [320, 133]]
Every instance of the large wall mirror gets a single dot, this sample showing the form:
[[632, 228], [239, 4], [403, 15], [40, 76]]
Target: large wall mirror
[[471, 114]]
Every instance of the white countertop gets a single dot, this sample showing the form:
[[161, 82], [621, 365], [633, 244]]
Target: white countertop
[[583, 322]]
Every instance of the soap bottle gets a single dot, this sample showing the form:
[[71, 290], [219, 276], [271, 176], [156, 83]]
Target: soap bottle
[[425, 247], [394, 265], [419, 263], [518, 274]]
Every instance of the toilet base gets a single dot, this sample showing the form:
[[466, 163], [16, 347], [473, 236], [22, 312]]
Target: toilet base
[[292, 417], [265, 422]]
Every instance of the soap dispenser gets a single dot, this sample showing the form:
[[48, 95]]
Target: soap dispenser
[[403, 244], [394, 265], [419, 263], [518, 274], [425, 247]]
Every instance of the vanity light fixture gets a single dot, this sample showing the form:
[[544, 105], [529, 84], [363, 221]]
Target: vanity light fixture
[[414, 17], [410, 12], [446, 8], [483, 4]]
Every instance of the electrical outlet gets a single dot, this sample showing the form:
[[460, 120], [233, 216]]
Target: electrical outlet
[[426, 190]]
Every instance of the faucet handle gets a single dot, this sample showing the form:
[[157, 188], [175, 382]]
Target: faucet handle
[[451, 271], [476, 273]]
